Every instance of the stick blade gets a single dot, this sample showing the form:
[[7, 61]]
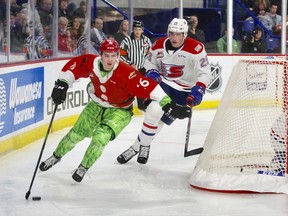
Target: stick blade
[[193, 152], [27, 195]]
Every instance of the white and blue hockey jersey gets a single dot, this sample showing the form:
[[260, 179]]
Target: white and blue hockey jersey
[[183, 68]]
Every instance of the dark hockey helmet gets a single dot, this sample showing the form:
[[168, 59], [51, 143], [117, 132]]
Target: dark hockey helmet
[[138, 24], [109, 46]]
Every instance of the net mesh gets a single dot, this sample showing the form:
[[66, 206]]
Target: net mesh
[[246, 145]]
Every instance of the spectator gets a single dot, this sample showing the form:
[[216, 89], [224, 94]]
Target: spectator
[[110, 37], [64, 39], [261, 5], [46, 16], [254, 42], [260, 10], [195, 32], [75, 31], [80, 12], [19, 32], [222, 44], [134, 49], [279, 3], [272, 21], [12, 20], [123, 31], [97, 34], [71, 7], [14, 7], [34, 22], [63, 11]]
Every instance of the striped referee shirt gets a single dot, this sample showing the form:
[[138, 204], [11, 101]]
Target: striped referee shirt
[[134, 51]]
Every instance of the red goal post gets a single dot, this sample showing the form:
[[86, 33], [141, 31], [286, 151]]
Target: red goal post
[[246, 146]]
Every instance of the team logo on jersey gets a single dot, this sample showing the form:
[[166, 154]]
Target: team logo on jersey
[[181, 56], [216, 81], [171, 71], [72, 67], [132, 75], [198, 48], [160, 54]]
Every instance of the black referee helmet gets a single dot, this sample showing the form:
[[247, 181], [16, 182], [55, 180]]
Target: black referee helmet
[[138, 24]]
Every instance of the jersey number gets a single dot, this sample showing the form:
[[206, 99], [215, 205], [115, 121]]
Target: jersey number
[[144, 83], [204, 62]]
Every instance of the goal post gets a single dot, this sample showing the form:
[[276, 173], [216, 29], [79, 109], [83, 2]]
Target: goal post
[[246, 146]]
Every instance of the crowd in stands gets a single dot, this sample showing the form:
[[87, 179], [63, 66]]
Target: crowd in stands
[[252, 38], [32, 24], [35, 17], [32, 31], [264, 29]]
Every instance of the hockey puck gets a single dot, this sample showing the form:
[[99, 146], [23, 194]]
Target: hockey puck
[[36, 198]]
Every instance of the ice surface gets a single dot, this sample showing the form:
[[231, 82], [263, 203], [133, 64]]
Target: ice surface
[[159, 188]]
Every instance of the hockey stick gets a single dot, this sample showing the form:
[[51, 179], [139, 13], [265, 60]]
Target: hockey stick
[[193, 151], [42, 149]]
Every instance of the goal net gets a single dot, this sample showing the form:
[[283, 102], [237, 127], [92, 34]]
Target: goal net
[[245, 148]]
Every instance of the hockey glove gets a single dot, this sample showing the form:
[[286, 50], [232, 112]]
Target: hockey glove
[[173, 111], [59, 92], [196, 95], [154, 74]]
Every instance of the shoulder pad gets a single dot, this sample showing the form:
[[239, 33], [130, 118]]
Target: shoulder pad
[[159, 44], [193, 46]]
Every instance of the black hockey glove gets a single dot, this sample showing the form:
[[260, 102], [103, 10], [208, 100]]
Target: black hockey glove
[[59, 92], [174, 111]]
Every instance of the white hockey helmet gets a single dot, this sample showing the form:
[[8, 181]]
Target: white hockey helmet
[[178, 25]]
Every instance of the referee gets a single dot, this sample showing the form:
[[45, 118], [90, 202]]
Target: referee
[[133, 50]]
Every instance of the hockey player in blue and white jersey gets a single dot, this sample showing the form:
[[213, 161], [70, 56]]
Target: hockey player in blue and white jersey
[[181, 66]]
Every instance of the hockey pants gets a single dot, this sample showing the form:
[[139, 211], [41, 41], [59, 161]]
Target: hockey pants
[[96, 122]]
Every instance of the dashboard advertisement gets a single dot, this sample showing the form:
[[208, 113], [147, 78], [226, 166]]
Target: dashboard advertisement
[[21, 99]]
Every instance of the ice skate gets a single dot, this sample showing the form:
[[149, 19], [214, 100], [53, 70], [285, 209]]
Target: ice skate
[[127, 155], [143, 154], [79, 173], [48, 163]]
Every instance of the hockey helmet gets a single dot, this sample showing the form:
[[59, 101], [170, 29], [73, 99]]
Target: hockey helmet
[[138, 24], [109, 46], [178, 25]]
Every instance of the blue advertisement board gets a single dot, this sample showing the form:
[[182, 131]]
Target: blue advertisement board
[[21, 99]]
